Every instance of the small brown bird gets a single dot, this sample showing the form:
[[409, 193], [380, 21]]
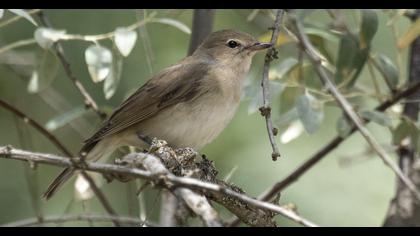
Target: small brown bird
[[187, 104]]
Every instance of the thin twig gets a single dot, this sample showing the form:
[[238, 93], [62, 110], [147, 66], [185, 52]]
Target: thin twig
[[348, 109], [79, 217], [266, 109], [89, 102], [167, 181], [20, 43], [298, 172], [16, 18], [141, 15], [60, 146]]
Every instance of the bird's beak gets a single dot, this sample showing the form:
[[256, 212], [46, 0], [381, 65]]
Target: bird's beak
[[259, 46]]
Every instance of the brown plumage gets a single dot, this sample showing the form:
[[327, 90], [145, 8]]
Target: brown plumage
[[187, 104]]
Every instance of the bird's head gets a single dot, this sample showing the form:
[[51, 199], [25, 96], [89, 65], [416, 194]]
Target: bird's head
[[230, 47]]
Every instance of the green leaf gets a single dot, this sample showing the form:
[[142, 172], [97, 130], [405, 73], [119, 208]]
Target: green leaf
[[45, 37], [323, 33], [125, 40], [350, 60], [65, 118], [303, 13], [406, 128], [368, 28], [257, 99], [287, 117], [285, 67], [310, 111], [377, 117], [44, 73], [343, 127], [99, 62], [177, 24], [23, 14], [113, 79], [346, 53], [388, 70]]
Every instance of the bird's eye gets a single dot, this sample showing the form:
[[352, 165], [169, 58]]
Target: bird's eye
[[232, 44]]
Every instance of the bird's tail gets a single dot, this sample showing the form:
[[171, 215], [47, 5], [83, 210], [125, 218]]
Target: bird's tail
[[100, 150], [58, 182]]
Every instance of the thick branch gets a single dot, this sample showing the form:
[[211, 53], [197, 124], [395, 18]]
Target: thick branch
[[403, 209], [167, 181], [197, 203], [266, 109], [202, 26]]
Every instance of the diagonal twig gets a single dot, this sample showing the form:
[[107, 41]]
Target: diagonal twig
[[60, 146], [59, 51], [53, 139], [348, 109], [266, 109]]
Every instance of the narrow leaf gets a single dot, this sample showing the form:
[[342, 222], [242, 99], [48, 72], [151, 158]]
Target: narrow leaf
[[368, 28], [65, 118], [406, 129], [285, 67], [343, 127], [113, 79], [310, 111], [412, 33], [377, 117], [45, 72], [23, 14], [350, 60], [287, 117], [293, 131], [257, 99], [347, 50], [388, 70], [125, 40], [99, 62], [282, 39], [177, 24]]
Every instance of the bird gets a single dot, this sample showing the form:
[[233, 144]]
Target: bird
[[187, 104]]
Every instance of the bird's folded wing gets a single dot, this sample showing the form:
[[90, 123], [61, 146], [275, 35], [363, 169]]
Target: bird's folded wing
[[173, 85]]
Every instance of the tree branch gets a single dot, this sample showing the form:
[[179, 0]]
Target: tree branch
[[202, 26], [59, 51], [403, 209], [53, 139], [266, 109], [348, 109], [161, 179], [79, 217], [102, 198]]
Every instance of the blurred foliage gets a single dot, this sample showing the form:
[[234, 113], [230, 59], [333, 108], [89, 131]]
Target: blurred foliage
[[365, 51]]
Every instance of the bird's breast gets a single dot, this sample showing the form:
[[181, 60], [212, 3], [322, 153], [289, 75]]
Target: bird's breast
[[191, 124]]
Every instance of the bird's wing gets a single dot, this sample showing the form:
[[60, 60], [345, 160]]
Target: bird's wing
[[175, 84]]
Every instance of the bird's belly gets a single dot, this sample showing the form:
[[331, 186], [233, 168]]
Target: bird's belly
[[187, 125]]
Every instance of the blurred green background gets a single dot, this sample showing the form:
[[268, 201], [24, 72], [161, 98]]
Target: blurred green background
[[329, 194]]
